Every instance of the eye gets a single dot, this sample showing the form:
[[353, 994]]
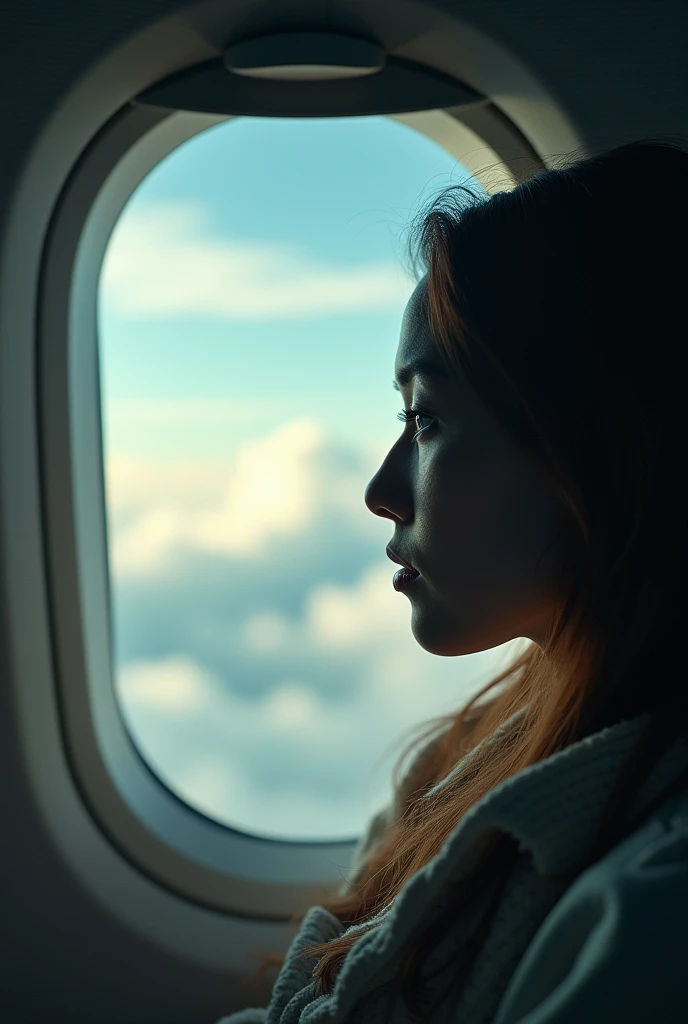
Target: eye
[[410, 414]]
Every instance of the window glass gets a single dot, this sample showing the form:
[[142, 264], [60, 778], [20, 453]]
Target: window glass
[[249, 311]]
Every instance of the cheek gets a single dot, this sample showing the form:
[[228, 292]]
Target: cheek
[[490, 515], [475, 494], [521, 531]]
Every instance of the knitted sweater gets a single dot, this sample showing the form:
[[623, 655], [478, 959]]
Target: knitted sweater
[[607, 948]]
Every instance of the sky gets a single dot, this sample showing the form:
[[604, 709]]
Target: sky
[[249, 310]]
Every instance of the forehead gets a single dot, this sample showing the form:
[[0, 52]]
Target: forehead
[[414, 338], [417, 353]]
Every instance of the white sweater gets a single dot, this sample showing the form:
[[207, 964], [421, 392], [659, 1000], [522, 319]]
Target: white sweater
[[609, 948]]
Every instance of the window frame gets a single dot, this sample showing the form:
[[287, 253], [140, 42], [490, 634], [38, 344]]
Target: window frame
[[206, 862]]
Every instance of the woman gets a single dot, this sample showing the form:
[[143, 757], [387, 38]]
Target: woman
[[533, 867]]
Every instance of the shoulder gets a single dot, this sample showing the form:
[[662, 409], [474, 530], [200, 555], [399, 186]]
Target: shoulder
[[613, 947]]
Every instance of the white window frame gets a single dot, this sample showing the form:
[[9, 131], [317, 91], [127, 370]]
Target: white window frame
[[208, 863]]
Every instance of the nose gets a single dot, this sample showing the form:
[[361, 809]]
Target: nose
[[384, 495]]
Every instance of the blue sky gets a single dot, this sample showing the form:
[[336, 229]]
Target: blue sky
[[249, 313]]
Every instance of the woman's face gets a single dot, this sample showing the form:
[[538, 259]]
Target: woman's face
[[469, 512]]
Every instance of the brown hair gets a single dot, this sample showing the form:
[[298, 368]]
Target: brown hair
[[562, 304]]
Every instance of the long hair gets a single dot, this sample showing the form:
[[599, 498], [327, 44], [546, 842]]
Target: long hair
[[562, 303]]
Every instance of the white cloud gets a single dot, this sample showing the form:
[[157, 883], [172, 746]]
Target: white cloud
[[274, 488], [210, 412], [162, 260], [135, 485], [145, 546], [265, 632], [176, 685], [347, 618], [292, 764], [291, 705], [270, 492]]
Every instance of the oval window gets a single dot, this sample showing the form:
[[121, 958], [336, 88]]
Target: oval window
[[250, 305]]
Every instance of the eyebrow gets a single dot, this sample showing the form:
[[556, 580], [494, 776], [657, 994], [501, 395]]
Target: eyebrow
[[417, 368]]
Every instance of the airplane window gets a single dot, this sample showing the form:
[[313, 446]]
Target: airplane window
[[249, 310]]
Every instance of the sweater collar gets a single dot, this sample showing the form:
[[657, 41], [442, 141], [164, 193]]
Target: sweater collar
[[553, 808]]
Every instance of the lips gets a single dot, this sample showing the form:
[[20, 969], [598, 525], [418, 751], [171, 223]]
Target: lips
[[400, 561]]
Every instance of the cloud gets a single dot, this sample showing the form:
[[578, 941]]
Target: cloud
[[206, 412], [293, 764], [265, 631], [177, 685], [135, 483], [277, 486], [163, 261], [344, 618]]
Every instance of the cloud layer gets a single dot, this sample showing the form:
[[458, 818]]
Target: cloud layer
[[266, 663], [164, 261]]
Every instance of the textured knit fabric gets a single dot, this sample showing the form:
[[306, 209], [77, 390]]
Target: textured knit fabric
[[607, 948]]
